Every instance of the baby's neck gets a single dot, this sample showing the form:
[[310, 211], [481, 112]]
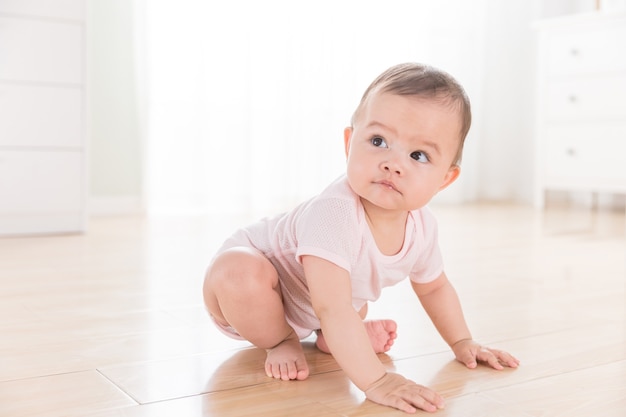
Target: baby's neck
[[387, 227]]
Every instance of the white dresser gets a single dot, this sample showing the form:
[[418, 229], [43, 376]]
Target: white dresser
[[581, 104], [42, 116]]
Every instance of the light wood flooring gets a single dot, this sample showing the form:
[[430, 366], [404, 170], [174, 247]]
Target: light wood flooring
[[111, 323]]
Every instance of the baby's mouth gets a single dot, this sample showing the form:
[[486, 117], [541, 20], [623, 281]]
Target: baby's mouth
[[388, 184]]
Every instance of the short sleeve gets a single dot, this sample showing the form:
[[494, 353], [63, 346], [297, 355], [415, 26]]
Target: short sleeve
[[326, 229], [429, 264]]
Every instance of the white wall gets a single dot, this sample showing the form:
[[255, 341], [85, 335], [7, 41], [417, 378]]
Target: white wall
[[506, 161], [247, 108], [497, 70], [116, 153]]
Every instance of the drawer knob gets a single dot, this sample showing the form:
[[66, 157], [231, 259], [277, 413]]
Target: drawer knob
[[570, 152], [574, 52], [572, 99]]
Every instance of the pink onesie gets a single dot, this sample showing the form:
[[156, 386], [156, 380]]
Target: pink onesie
[[332, 226]]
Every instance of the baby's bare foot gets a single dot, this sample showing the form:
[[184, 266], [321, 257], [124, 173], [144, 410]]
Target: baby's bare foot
[[287, 361], [382, 333]]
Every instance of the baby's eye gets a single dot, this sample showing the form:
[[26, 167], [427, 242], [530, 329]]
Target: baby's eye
[[379, 142], [419, 156]]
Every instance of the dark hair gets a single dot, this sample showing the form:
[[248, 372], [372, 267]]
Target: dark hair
[[412, 79]]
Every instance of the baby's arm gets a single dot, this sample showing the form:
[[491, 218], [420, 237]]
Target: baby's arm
[[347, 339], [441, 302]]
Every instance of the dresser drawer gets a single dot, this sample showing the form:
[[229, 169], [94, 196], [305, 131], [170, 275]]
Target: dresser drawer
[[581, 51], [587, 98], [585, 153], [580, 104], [41, 116], [41, 51], [33, 182], [63, 9]]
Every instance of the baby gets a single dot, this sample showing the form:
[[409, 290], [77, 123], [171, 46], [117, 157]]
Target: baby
[[316, 267]]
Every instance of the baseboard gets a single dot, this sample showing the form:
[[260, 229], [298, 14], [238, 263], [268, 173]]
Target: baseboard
[[116, 205], [584, 199]]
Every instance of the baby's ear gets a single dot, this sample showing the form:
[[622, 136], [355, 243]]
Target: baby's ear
[[451, 176], [347, 135]]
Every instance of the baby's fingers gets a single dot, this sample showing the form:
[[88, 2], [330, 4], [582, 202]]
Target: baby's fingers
[[507, 359], [425, 399], [495, 358], [395, 391], [414, 397], [468, 358], [486, 355]]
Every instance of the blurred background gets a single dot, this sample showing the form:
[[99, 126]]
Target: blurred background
[[194, 106]]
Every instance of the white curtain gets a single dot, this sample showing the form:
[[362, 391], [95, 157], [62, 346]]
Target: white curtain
[[247, 100]]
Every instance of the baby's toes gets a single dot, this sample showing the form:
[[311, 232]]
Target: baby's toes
[[292, 370]]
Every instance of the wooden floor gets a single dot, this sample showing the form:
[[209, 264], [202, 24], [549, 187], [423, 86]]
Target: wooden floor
[[111, 323]]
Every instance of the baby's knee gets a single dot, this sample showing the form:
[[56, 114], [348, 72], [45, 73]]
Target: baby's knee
[[240, 269]]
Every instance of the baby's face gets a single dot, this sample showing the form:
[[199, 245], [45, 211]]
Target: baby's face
[[401, 151]]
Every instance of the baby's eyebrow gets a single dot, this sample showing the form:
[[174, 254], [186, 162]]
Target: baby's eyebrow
[[375, 123], [433, 145]]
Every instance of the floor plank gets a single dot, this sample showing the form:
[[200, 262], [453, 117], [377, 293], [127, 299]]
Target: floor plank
[[71, 394], [263, 400], [595, 391], [111, 323]]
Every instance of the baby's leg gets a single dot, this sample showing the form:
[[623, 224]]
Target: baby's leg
[[241, 290], [382, 334]]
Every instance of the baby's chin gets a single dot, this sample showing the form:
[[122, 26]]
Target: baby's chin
[[385, 206]]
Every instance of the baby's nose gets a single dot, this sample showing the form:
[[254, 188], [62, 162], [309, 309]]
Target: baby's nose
[[392, 166]]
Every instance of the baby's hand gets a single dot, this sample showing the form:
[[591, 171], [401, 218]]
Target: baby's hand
[[394, 390], [469, 353]]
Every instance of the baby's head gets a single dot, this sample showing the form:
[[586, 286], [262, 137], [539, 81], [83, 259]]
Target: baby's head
[[422, 81]]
